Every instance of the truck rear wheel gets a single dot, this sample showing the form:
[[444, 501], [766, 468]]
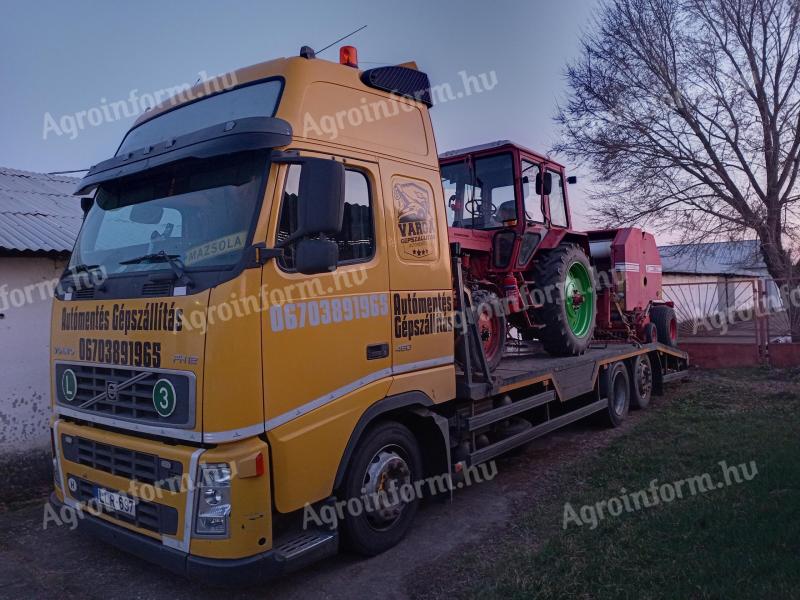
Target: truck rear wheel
[[565, 285], [666, 322], [615, 386], [379, 489]]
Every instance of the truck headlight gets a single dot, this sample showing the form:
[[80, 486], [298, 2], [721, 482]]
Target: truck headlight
[[214, 500]]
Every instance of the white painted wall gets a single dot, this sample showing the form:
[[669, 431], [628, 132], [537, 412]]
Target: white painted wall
[[24, 352]]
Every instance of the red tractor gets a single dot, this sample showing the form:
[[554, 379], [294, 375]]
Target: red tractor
[[526, 269]]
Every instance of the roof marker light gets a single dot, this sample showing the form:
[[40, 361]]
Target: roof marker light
[[348, 56]]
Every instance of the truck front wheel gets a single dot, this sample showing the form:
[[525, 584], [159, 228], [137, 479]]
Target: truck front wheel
[[380, 489]]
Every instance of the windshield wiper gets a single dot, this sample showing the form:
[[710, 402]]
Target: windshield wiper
[[83, 268], [173, 260]]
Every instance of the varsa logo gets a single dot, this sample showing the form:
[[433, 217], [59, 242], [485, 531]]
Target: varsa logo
[[415, 221]]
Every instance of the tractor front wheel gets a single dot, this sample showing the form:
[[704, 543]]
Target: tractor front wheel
[[565, 290], [490, 319]]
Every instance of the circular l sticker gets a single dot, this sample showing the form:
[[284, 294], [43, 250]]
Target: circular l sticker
[[69, 385], [164, 397]]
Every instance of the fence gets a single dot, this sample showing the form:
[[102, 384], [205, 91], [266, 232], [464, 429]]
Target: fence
[[738, 322]]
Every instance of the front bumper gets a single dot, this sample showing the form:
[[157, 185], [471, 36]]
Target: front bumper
[[216, 572]]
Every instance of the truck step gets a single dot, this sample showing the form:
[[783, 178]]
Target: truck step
[[307, 546], [498, 448], [504, 412]]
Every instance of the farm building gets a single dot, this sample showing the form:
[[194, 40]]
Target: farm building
[[39, 221]]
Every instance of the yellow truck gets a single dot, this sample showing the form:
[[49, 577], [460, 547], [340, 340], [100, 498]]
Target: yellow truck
[[257, 330]]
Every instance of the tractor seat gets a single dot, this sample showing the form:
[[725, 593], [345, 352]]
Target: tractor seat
[[507, 211]]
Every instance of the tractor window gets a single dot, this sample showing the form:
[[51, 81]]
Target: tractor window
[[558, 201], [356, 240], [532, 200], [481, 197]]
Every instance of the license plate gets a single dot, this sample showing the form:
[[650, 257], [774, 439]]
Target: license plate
[[116, 502]]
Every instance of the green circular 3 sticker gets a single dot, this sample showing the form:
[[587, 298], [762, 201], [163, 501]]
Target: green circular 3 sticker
[[164, 397], [69, 385]]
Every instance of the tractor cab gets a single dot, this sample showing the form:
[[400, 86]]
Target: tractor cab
[[502, 200]]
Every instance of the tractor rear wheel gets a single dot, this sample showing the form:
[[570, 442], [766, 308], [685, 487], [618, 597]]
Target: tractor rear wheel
[[565, 288]]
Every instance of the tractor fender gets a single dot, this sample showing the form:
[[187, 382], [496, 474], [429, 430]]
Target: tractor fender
[[556, 237]]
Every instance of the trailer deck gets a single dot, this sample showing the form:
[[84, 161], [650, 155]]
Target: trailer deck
[[551, 392], [571, 376]]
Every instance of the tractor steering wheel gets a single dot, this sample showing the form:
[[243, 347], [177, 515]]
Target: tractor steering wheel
[[471, 207]]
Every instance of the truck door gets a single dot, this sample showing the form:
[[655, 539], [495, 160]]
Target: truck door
[[421, 283], [326, 337]]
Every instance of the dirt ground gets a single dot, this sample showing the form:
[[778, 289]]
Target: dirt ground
[[59, 563]]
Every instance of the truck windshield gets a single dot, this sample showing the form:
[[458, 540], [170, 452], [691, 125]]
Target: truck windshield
[[481, 197], [198, 212]]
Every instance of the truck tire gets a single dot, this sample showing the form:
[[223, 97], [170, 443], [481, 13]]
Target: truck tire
[[666, 322], [491, 319], [565, 287], [615, 385], [641, 374], [384, 468]]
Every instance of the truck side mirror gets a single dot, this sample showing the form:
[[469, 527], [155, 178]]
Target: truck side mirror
[[320, 206], [314, 256], [86, 205], [572, 180], [544, 184]]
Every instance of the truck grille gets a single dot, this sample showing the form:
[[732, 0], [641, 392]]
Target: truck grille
[[125, 393], [149, 515], [130, 464]]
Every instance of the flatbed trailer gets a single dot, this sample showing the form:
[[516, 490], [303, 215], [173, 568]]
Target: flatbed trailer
[[564, 389]]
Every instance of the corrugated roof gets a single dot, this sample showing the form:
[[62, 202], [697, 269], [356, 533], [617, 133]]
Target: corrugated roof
[[742, 258], [38, 212]]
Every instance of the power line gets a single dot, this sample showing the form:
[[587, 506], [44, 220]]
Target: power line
[[67, 172]]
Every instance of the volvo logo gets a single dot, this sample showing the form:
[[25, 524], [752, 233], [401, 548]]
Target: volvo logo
[[113, 388]]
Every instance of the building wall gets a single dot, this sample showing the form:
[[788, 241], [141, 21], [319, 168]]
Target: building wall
[[24, 352]]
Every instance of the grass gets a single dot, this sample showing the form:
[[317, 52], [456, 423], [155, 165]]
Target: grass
[[738, 541]]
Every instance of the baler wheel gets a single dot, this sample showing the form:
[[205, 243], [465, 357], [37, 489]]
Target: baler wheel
[[666, 322]]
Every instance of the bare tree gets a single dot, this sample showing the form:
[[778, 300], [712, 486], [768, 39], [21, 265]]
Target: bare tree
[[689, 112]]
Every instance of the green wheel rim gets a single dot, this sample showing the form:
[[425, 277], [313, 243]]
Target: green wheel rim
[[579, 299]]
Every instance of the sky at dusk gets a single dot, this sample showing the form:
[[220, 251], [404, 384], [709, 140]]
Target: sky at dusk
[[61, 59]]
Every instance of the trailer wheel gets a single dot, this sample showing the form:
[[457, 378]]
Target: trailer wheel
[[615, 385], [381, 499], [641, 373], [565, 281], [666, 322]]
